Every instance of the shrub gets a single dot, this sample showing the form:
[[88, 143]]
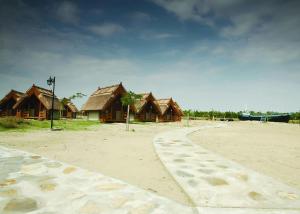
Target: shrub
[[12, 122], [9, 122]]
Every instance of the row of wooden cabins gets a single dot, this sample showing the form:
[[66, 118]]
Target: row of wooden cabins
[[104, 105], [35, 103]]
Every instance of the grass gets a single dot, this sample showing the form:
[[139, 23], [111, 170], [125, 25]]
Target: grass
[[14, 124], [294, 121]]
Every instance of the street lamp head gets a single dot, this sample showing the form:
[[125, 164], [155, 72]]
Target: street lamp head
[[49, 81]]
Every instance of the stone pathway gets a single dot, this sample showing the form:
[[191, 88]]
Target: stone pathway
[[33, 184], [217, 185]]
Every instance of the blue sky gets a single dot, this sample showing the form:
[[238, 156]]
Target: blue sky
[[222, 55]]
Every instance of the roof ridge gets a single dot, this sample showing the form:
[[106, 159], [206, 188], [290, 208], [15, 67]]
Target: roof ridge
[[110, 86], [165, 98], [12, 90], [39, 87]]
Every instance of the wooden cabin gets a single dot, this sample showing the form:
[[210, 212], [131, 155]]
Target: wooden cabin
[[7, 103], [37, 104], [69, 109], [105, 104], [181, 114], [169, 111], [146, 109]]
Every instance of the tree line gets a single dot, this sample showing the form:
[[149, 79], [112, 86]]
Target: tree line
[[234, 115]]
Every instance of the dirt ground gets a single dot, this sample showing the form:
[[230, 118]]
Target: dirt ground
[[270, 148], [107, 149]]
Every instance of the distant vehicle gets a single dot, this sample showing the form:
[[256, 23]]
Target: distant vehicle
[[271, 118]]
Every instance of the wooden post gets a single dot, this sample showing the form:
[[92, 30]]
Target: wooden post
[[127, 118]]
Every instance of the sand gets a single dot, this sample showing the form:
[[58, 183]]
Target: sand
[[269, 148], [107, 149], [272, 149]]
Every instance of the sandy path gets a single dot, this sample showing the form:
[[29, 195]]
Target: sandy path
[[128, 156], [270, 148]]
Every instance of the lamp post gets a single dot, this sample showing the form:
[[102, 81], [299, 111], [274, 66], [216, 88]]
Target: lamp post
[[51, 81]]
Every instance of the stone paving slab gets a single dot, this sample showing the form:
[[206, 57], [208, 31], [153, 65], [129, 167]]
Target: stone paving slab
[[208, 210], [216, 184], [33, 184]]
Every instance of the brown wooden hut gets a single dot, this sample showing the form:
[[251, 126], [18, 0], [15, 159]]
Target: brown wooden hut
[[105, 104], [169, 111], [7, 103], [69, 109], [146, 109], [181, 114], [37, 104]]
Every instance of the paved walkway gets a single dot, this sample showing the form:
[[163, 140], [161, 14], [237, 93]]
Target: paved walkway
[[217, 185], [32, 184]]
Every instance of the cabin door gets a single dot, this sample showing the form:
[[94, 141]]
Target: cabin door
[[168, 116], [31, 112], [148, 116], [118, 116]]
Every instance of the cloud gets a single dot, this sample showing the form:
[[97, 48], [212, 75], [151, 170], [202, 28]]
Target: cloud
[[68, 12], [164, 35], [187, 10], [141, 17], [233, 17], [157, 35], [106, 29]]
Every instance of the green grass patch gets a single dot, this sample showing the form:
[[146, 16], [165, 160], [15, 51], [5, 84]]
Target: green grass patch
[[15, 124], [294, 121]]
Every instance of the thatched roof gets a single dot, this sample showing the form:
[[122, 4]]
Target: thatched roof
[[101, 98], [16, 95], [145, 98], [164, 104], [43, 95], [71, 106], [178, 108]]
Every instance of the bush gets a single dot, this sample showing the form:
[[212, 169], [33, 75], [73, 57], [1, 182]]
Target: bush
[[12, 122]]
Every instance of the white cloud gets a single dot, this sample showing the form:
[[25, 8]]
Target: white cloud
[[106, 29], [149, 35], [187, 10], [67, 12]]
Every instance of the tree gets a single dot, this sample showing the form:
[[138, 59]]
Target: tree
[[65, 101], [72, 97], [127, 100]]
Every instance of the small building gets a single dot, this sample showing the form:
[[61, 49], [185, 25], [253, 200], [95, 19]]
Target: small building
[[181, 114], [146, 109], [37, 104], [69, 109], [7, 103], [169, 111], [105, 104]]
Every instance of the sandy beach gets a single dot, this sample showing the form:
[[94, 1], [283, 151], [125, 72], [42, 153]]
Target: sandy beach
[[107, 149], [272, 149]]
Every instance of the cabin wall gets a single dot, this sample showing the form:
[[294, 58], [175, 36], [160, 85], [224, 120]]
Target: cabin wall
[[67, 113], [56, 115], [92, 115], [6, 109], [148, 113], [115, 112], [170, 116], [32, 108]]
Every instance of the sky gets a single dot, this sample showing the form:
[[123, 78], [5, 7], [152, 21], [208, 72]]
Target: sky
[[206, 54]]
